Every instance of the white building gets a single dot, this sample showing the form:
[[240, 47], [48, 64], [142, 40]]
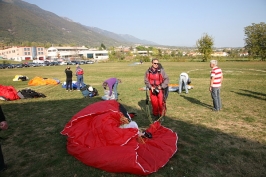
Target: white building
[[142, 53], [74, 52], [219, 54], [96, 54], [64, 52], [23, 53]]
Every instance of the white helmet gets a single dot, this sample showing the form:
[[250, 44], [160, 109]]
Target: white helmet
[[90, 88]]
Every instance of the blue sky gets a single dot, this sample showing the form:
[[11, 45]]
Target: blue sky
[[166, 22]]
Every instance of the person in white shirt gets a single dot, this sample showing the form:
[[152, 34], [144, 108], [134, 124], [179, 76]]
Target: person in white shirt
[[215, 85], [183, 82]]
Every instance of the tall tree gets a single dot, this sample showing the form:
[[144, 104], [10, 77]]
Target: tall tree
[[205, 45], [102, 47], [173, 53], [141, 48], [256, 40]]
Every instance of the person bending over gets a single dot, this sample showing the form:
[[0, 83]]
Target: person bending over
[[112, 84], [183, 82]]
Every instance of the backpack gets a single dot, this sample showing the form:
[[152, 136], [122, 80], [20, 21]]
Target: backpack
[[95, 92], [85, 87], [87, 93], [80, 71], [188, 81], [22, 78]]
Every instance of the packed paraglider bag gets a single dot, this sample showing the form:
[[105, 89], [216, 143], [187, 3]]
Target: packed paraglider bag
[[28, 93], [188, 81], [20, 78]]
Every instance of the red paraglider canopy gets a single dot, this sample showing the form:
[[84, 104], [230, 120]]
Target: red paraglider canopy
[[95, 138], [8, 93]]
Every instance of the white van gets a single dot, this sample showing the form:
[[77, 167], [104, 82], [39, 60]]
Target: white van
[[63, 63]]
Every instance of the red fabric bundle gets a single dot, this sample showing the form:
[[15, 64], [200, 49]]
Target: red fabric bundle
[[8, 93], [95, 138]]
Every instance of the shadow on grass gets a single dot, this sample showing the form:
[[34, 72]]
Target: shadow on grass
[[252, 94], [33, 145], [255, 93], [144, 103], [196, 101]]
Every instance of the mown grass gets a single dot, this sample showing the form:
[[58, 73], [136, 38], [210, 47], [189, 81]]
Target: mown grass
[[228, 143]]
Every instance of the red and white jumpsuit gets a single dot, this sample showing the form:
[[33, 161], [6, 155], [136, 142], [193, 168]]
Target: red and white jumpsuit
[[154, 78]]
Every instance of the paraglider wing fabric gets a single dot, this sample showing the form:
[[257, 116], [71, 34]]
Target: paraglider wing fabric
[[8, 92], [95, 138], [156, 152], [74, 85], [41, 81]]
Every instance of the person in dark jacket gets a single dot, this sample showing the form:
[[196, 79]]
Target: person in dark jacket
[[3, 126], [68, 79]]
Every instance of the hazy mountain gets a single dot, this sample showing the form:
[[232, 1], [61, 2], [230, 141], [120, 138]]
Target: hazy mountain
[[121, 37], [136, 40], [21, 21]]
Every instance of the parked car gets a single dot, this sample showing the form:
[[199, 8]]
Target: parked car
[[62, 63], [8, 66], [25, 65], [80, 62], [89, 62], [54, 63], [47, 63], [32, 64], [1, 66], [19, 65], [72, 63], [42, 64]]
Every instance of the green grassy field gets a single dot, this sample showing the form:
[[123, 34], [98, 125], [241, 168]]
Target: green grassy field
[[229, 143]]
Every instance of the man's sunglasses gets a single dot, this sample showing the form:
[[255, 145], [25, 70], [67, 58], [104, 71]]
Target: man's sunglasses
[[155, 63]]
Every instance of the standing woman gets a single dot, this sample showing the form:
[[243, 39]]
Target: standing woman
[[156, 80], [3, 126]]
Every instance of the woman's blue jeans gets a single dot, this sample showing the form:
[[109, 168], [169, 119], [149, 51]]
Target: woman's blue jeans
[[115, 90]]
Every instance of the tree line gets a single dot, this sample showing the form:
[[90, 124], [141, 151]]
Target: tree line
[[255, 42]]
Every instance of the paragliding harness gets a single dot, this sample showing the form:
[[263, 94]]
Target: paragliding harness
[[88, 93], [80, 71], [127, 118], [148, 113], [28, 93], [22, 78]]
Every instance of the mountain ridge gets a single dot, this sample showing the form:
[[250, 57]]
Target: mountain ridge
[[21, 21]]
